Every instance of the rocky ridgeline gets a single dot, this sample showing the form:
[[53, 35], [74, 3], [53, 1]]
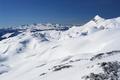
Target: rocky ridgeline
[[111, 71]]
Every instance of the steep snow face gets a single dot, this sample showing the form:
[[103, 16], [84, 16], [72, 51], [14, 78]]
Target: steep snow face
[[49, 52]]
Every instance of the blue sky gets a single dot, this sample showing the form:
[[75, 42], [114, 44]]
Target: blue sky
[[16, 12]]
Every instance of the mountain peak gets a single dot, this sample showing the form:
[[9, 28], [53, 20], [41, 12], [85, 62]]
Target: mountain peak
[[97, 18]]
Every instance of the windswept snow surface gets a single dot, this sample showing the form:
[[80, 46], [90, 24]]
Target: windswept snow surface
[[51, 52]]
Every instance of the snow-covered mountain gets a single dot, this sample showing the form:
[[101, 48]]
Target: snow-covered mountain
[[56, 52]]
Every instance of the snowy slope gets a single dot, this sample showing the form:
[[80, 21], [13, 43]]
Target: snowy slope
[[55, 53]]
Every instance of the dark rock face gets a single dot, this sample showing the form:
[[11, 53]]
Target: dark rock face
[[102, 55], [111, 71], [43, 74], [60, 67], [84, 33]]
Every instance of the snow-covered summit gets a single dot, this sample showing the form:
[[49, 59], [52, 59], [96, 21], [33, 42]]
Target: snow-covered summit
[[97, 17]]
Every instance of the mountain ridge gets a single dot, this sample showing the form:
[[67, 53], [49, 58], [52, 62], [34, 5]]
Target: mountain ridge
[[79, 52]]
